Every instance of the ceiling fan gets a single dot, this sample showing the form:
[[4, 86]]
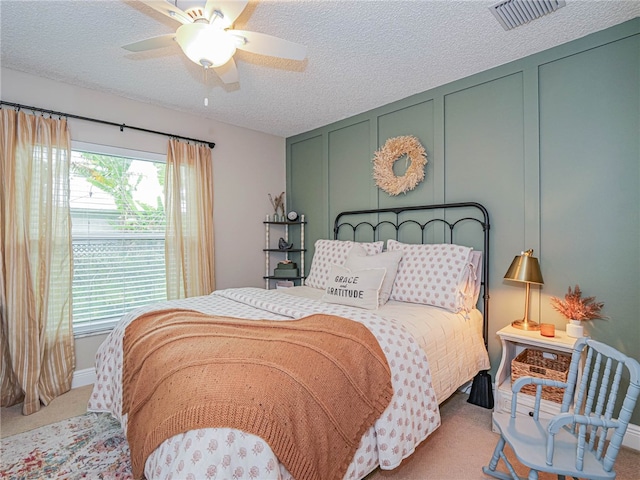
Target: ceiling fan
[[206, 38]]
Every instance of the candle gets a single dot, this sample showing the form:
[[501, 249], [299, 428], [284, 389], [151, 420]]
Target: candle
[[547, 330]]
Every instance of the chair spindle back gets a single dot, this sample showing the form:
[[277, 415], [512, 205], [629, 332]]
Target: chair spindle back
[[595, 399]]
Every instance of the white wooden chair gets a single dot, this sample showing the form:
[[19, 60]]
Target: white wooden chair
[[583, 440]]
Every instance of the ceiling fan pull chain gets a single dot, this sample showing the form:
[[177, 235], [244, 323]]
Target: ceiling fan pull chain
[[204, 80]]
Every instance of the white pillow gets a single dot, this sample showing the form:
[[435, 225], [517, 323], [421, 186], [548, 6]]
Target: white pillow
[[333, 252], [357, 259], [435, 275], [356, 288]]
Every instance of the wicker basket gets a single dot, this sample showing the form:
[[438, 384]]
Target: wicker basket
[[532, 363]]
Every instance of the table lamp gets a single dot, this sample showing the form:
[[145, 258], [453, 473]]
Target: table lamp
[[525, 268]]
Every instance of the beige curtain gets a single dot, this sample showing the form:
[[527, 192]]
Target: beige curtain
[[38, 357], [189, 237]]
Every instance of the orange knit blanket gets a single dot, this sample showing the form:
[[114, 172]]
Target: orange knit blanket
[[310, 387]]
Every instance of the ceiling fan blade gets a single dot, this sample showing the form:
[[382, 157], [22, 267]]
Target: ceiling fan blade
[[230, 9], [168, 9], [228, 72], [152, 43], [263, 44]]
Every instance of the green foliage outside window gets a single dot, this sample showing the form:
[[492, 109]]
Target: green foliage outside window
[[112, 175]]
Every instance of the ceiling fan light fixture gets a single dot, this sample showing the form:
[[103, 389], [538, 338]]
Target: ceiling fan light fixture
[[207, 38], [204, 44]]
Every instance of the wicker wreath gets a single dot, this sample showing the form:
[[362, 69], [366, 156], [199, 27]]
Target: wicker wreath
[[394, 149]]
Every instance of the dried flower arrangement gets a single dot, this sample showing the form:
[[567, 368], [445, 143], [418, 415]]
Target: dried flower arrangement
[[574, 307], [277, 203], [394, 149]]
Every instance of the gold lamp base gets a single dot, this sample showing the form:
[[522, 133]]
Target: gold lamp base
[[525, 325]]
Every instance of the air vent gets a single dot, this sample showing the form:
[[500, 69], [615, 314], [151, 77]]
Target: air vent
[[513, 13]]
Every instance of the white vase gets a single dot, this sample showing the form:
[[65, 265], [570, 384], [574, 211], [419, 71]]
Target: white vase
[[575, 329]]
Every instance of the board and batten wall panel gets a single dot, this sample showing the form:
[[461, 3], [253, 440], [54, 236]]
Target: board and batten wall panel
[[550, 145], [309, 197], [416, 120], [484, 150], [350, 181], [590, 171]]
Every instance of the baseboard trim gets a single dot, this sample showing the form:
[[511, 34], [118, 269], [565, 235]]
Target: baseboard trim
[[83, 377], [632, 437]]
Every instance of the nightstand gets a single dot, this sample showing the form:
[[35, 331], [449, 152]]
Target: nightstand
[[515, 341]]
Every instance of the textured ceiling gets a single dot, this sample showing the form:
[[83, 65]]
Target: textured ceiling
[[361, 54]]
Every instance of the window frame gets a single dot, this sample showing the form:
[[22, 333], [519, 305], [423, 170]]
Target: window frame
[[103, 326]]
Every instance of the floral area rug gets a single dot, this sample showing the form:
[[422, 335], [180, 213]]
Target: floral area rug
[[92, 445]]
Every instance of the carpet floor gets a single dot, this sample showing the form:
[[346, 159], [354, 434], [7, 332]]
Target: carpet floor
[[89, 446], [93, 446], [67, 405]]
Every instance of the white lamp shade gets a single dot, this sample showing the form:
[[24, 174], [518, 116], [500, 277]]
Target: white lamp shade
[[205, 44]]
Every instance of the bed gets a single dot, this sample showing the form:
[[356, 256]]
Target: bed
[[425, 324]]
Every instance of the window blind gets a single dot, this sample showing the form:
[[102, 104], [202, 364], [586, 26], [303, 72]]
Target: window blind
[[118, 228]]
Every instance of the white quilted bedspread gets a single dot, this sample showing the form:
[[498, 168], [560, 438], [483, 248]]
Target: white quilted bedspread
[[222, 453]]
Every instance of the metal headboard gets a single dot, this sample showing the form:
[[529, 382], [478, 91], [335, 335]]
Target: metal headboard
[[403, 218]]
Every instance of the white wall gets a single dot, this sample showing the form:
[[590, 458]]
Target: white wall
[[247, 165]]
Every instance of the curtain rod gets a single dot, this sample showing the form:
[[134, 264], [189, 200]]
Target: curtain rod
[[104, 122]]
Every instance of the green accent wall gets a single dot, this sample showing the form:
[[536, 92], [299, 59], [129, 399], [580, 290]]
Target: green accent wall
[[550, 144]]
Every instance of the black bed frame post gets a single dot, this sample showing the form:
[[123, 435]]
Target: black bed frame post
[[481, 389]]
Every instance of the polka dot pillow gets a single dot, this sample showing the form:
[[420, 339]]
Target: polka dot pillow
[[333, 252], [435, 274]]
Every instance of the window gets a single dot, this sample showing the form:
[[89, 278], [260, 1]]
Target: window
[[118, 228]]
